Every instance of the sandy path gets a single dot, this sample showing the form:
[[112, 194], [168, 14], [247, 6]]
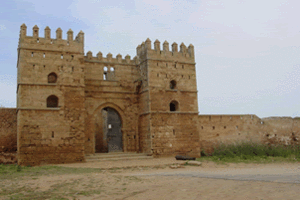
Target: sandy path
[[125, 181], [125, 163]]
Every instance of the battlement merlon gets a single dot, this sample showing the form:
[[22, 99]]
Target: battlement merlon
[[47, 43], [185, 54], [109, 59]]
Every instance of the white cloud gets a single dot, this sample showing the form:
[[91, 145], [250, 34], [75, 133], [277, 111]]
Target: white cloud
[[2, 27]]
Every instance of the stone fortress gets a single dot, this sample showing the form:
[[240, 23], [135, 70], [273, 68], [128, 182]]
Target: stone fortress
[[71, 104]]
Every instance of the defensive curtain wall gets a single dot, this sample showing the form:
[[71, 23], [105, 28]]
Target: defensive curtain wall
[[69, 104], [213, 130], [232, 129], [8, 135]]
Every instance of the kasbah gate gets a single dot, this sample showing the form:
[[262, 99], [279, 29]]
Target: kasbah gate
[[71, 104]]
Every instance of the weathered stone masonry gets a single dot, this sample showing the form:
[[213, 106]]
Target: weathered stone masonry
[[70, 104], [65, 98]]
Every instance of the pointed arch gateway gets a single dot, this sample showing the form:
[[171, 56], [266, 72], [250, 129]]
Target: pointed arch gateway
[[108, 137]]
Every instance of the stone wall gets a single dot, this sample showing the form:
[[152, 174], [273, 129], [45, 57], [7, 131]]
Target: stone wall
[[231, 129], [174, 134], [8, 130], [154, 94]]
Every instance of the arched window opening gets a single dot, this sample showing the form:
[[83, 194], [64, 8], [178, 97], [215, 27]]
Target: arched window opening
[[105, 76], [52, 78], [52, 101], [112, 69], [173, 85], [174, 106], [105, 69]]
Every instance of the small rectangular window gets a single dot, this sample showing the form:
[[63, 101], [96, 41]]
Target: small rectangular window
[[62, 56]]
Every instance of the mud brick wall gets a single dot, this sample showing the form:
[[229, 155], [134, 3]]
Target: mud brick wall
[[175, 134], [281, 130], [232, 129], [8, 130]]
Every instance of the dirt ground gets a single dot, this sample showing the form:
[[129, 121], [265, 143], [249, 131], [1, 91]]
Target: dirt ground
[[154, 179]]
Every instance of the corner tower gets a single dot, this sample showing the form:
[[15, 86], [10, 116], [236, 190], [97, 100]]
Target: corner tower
[[50, 98], [168, 99]]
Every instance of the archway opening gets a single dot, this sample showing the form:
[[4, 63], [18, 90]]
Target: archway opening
[[109, 137]]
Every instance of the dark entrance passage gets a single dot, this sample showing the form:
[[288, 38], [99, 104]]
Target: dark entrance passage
[[112, 135]]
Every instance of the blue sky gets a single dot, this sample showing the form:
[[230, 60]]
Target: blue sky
[[247, 52]]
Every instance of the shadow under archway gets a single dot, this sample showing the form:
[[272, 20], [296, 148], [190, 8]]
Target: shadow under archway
[[108, 136]]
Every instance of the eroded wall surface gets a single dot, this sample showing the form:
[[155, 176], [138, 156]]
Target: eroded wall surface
[[8, 129], [175, 134], [231, 129], [8, 135]]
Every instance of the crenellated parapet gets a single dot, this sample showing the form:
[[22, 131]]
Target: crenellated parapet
[[184, 54], [35, 42], [109, 59]]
